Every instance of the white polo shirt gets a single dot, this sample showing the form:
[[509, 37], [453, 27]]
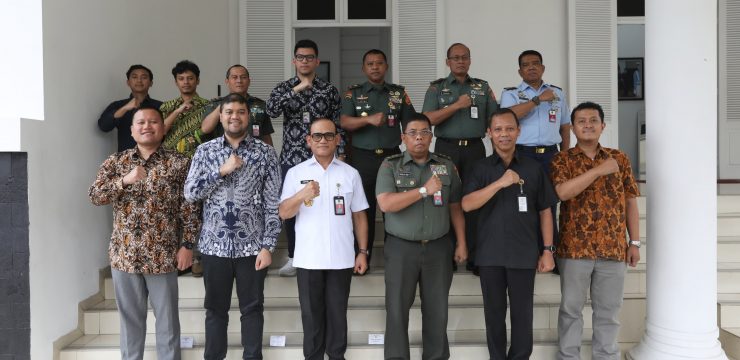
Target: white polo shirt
[[325, 240]]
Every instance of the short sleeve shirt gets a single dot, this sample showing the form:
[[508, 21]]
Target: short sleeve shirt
[[462, 125], [368, 99], [593, 224], [541, 127], [506, 235], [421, 220], [324, 239]]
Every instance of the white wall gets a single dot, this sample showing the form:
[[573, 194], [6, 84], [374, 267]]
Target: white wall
[[630, 43], [88, 45], [328, 40], [498, 31]]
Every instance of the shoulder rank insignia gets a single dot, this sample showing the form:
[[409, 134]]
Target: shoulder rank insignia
[[557, 87], [510, 88], [435, 82]]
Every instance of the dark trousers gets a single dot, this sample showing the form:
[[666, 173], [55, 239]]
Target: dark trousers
[[218, 277], [323, 295], [544, 159], [289, 223], [464, 157], [428, 265], [494, 282], [367, 164]]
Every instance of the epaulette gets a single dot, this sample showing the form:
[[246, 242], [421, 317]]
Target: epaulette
[[257, 100], [355, 86], [557, 87], [510, 88], [479, 80], [395, 156], [438, 81], [395, 86]]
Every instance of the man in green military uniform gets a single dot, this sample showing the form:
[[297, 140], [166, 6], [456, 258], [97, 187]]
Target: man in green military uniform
[[372, 112], [237, 80], [460, 107], [420, 192]]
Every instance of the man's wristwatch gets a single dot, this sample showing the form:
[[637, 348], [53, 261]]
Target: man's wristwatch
[[536, 100], [364, 251], [635, 243], [188, 245], [550, 248], [423, 192]]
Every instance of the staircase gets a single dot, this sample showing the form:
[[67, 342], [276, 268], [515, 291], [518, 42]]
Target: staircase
[[366, 314]]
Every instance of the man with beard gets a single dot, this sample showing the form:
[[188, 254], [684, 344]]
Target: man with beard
[[237, 178], [301, 100], [237, 80]]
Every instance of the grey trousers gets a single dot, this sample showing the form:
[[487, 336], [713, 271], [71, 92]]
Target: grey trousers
[[408, 263], [132, 291], [606, 280]]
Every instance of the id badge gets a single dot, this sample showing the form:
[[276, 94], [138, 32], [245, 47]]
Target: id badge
[[473, 112], [552, 115], [522, 203], [306, 117], [391, 120], [339, 205], [438, 198], [255, 130]]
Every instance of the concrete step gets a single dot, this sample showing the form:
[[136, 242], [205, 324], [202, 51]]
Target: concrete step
[[464, 283], [364, 314], [463, 345], [730, 339]]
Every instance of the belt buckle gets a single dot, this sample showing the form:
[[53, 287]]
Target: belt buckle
[[539, 150], [423, 242], [462, 143], [379, 151]]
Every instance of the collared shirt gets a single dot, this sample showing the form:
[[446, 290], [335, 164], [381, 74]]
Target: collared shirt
[[325, 240], [368, 99], [320, 101], [259, 122], [108, 122], [593, 224], [240, 210], [541, 127], [420, 220], [185, 134], [445, 91], [151, 216], [507, 236]]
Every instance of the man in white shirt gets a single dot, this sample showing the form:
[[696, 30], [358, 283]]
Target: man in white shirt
[[327, 199]]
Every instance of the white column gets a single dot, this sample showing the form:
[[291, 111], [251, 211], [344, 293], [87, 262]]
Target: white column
[[681, 106]]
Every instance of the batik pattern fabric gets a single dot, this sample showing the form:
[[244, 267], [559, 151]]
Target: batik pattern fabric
[[185, 134]]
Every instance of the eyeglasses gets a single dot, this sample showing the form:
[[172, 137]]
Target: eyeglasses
[[307, 58], [329, 136], [459, 58], [422, 133]]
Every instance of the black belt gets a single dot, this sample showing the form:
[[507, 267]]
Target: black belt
[[538, 149], [461, 142], [379, 151]]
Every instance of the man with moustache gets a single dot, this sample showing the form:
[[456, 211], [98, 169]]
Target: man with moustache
[[599, 197], [154, 230], [236, 177], [514, 196], [326, 197], [459, 107], [373, 112], [183, 114], [301, 100], [420, 193], [119, 114], [237, 80]]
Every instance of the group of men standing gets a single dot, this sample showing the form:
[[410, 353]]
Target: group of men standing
[[440, 208]]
